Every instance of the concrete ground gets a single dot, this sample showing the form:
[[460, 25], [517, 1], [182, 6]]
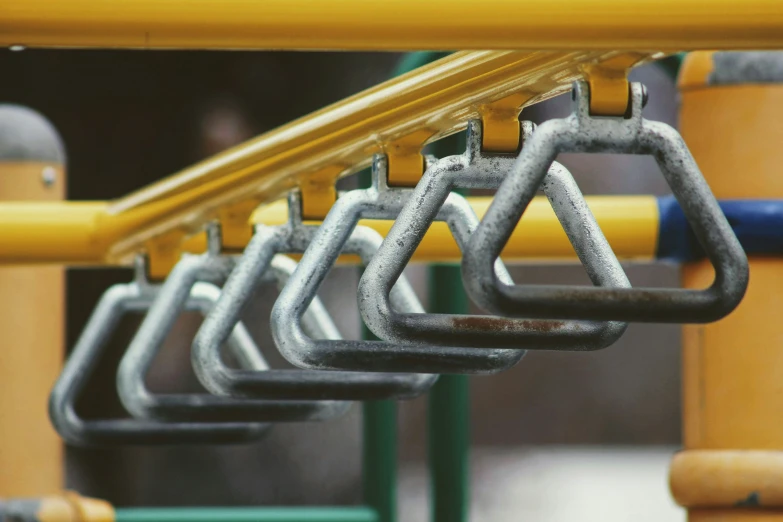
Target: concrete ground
[[558, 484]]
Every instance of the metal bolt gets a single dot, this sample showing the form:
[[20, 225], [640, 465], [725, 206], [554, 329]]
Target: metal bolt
[[49, 176]]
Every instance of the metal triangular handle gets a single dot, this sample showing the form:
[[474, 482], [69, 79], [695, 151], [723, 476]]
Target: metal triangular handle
[[581, 132], [433, 200], [292, 237], [339, 228], [186, 289], [115, 302]]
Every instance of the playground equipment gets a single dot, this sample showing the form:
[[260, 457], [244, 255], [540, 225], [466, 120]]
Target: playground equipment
[[221, 222]]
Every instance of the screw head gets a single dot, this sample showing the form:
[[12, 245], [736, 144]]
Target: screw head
[[49, 176]]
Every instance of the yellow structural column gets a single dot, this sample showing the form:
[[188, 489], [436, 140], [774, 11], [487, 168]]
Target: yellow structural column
[[31, 315], [731, 468]]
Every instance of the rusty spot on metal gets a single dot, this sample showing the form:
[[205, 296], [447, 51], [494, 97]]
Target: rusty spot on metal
[[479, 323], [543, 326], [488, 324]]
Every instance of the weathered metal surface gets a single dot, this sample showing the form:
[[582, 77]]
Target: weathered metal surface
[[433, 200], [186, 287], [580, 132], [293, 237], [116, 301], [328, 241]]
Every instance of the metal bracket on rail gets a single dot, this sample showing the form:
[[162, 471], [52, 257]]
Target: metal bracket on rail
[[334, 236], [267, 242], [185, 288], [583, 132], [117, 301], [433, 200], [317, 193]]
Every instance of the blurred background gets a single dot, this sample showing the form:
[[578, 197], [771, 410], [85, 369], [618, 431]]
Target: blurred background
[[571, 434]]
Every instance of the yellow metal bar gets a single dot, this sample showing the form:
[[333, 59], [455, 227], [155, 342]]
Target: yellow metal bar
[[55, 232], [32, 319], [430, 102], [76, 233], [394, 24]]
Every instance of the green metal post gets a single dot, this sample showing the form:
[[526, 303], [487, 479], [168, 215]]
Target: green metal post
[[448, 418], [449, 413], [247, 514], [379, 454], [449, 400], [380, 458]]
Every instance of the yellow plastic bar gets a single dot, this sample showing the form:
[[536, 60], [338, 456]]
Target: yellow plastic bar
[[427, 103], [394, 24], [76, 233]]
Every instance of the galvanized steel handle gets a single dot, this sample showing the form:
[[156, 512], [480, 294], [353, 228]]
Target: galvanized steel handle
[[187, 288], [292, 237], [335, 236], [582, 132], [433, 200], [116, 301]]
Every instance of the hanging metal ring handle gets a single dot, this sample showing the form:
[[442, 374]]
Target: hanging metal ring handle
[[115, 302], [433, 200], [186, 287], [581, 132], [329, 241], [263, 248]]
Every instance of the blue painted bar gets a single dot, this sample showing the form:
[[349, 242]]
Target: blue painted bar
[[757, 223]]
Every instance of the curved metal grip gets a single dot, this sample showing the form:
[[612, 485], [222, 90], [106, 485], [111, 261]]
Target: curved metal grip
[[293, 237], [581, 132], [334, 237], [185, 288], [433, 200], [116, 301]]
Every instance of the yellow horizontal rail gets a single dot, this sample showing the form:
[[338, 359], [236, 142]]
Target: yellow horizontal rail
[[76, 233], [394, 24], [396, 117]]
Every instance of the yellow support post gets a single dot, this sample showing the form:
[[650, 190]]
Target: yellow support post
[[732, 467], [32, 311]]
